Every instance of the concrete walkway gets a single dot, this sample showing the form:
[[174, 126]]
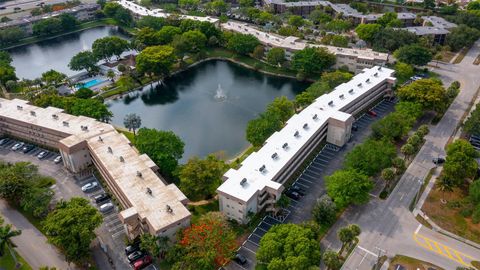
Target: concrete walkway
[[32, 244]]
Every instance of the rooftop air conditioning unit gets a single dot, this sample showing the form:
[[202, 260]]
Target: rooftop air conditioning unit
[[19, 107], [243, 182], [139, 174], [350, 91], [65, 123], [305, 126], [54, 116], [274, 156], [32, 113], [121, 159], [109, 149], [285, 146], [262, 169], [315, 117], [296, 134], [149, 191], [359, 85], [330, 103], [341, 96]]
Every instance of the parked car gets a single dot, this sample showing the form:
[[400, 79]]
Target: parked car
[[106, 207], [293, 195], [4, 141], [142, 262], [58, 159], [438, 160], [240, 259], [354, 127], [135, 256], [90, 187], [298, 190], [372, 113], [27, 148], [132, 248], [42, 155], [17, 146], [100, 198]]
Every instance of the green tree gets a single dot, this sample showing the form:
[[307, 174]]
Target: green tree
[[155, 245], [392, 127], [338, 25], [189, 4], [126, 83], [283, 107], [200, 178], [414, 140], [404, 71], [246, 3], [156, 23], [191, 41], [71, 227], [296, 21], [348, 234], [132, 121], [473, 5], [242, 44], [11, 35], [444, 184], [312, 60], [262, 127], [276, 56], [388, 175], [259, 52], [304, 99], [423, 130], [408, 150], [332, 260], [399, 165], [413, 54], [107, 47], [68, 22], [367, 31], [324, 211], [389, 19], [318, 16], [15, 180], [460, 163], [390, 39], [472, 124], [6, 235], [47, 27], [429, 4], [474, 192], [216, 7], [348, 186], [84, 60], [289, 246], [53, 77], [462, 36], [427, 92], [84, 93], [163, 147], [371, 157], [156, 60], [166, 34], [146, 36]]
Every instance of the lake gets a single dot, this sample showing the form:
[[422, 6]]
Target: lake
[[32, 60], [208, 105]]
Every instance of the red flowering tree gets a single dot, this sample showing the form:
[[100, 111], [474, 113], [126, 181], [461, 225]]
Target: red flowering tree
[[207, 244]]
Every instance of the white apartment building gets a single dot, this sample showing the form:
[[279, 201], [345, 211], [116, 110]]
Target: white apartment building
[[354, 59], [148, 203], [258, 183]]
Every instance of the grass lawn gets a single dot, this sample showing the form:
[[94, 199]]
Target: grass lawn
[[447, 56], [6, 261], [34, 220], [199, 210], [461, 55], [411, 263], [448, 215], [127, 134]]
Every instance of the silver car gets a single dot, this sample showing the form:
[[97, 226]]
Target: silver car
[[90, 187], [104, 208], [58, 159], [17, 146]]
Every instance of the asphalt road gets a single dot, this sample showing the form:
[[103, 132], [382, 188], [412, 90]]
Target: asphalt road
[[388, 227], [26, 6]]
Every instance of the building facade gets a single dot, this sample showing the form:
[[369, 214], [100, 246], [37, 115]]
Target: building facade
[[258, 183], [148, 204]]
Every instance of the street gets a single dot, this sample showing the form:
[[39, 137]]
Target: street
[[388, 227], [26, 7]]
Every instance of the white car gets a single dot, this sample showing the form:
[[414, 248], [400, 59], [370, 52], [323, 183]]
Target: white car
[[57, 159], [90, 187], [17, 146], [104, 208]]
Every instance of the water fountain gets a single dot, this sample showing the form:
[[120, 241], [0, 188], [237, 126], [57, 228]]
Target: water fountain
[[220, 94]]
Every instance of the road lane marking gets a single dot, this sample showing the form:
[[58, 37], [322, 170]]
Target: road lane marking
[[368, 251], [441, 249]]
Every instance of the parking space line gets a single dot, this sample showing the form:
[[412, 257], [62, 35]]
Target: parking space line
[[117, 234], [302, 179], [305, 186]]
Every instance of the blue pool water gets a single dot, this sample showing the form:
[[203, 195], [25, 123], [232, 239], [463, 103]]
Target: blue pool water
[[90, 83]]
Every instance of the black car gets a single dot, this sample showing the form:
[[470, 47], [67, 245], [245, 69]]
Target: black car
[[354, 127], [438, 160], [240, 259], [27, 148], [101, 198], [4, 141], [135, 256], [297, 189], [131, 248], [293, 194]]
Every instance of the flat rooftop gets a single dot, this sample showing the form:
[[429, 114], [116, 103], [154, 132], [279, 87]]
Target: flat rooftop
[[439, 22], [122, 164], [282, 146], [426, 30], [295, 44]]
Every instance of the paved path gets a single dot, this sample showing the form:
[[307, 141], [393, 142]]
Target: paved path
[[388, 227], [32, 244]]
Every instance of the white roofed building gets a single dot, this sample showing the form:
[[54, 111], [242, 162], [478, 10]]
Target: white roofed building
[[258, 183]]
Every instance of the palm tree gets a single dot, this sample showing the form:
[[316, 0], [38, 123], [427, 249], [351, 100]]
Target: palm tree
[[111, 74], [6, 234], [408, 150], [444, 185], [163, 246]]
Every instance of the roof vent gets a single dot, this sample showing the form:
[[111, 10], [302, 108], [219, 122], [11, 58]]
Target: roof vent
[[139, 174], [376, 74], [149, 191], [341, 96], [262, 169], [359, 85], [169, 209], [315, 117], [109, 149], [243, 182], [65, 123], [305, 126], [54, 116], [296, 134], [330, 103], [379, 68], [121, 159], [84, 128], [285, 146], [19, 107], [274, 156], [32, 113], [367, 81], [350, 91], [100, 139]]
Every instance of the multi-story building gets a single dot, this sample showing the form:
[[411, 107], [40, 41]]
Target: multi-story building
[[148, 203], [82, 12], [436, 28], [258, 183], [353, 59]]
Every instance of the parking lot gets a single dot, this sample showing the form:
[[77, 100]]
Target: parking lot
[[475, 141], [111, 233], [310, 185]]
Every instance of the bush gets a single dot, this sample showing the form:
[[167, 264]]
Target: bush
[[476, 215], [383, 195], [466, 212]]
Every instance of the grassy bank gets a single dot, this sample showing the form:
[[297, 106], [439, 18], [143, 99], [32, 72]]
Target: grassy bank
[[7, 262], [411, 263], [81, 27]]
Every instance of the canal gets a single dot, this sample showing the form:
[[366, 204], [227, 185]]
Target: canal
[[208, 106], [30, 61]]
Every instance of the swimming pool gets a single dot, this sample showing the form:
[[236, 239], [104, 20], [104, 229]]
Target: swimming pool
[[90, 83]]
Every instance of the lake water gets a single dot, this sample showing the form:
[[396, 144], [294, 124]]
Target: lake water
[[186, 104], [32, 60]]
